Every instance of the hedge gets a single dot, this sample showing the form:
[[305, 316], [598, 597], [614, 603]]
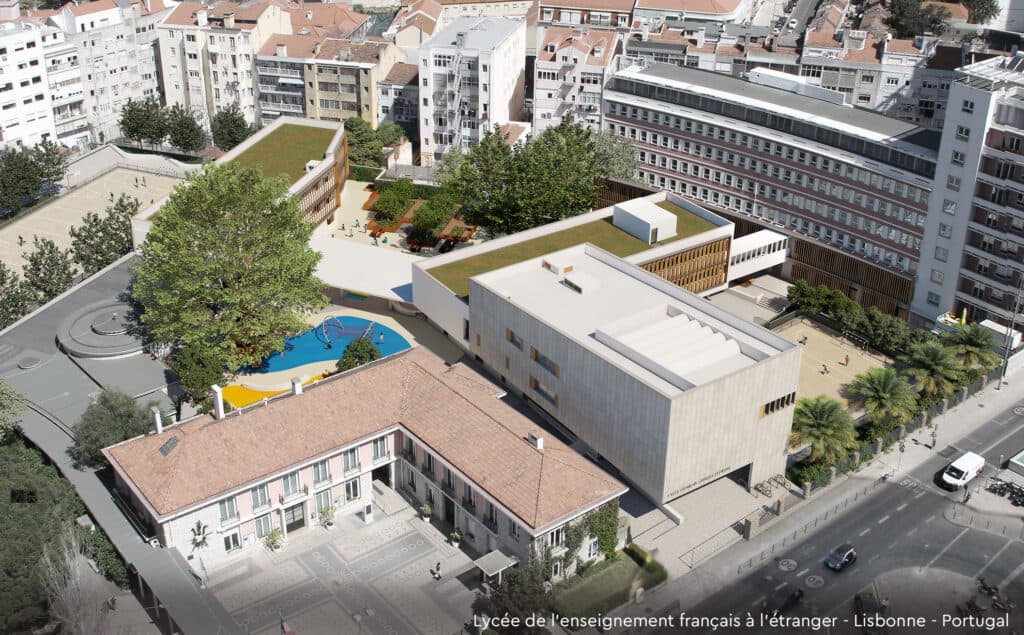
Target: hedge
[[364, 173], [418, 190]]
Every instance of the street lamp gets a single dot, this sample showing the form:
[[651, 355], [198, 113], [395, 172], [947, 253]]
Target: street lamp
[[1008, 339]]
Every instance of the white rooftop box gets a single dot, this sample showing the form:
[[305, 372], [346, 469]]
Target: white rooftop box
[[1000, 331], [643, 219], [1016, 464]]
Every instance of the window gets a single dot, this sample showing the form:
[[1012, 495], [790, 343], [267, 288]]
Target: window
[[544, 362], [595, 548], [945, 231], [958, 158], [545, 393], [351, 460], [557, 537], [260, 498], [491, 517], [934, 298], [949, 206], [513, 339], [938, 276], [968, 106], [321, 472], [228, 511], [323, 501], [892, 81], [380, 448], [953, 183], [963, 133], [556, 569], [941, 254], [231, 541], [263, 526], [290, 482], [513, 529], [428, 464], [448, 479], [351, 490]]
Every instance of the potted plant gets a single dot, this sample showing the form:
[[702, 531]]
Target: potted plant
[[455, 537], [274, 539], [327, 517], [425, 511]]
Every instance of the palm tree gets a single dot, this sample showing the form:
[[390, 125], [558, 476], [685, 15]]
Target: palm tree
[[933, 368], [886, 396], [973, 343], [827, 427]]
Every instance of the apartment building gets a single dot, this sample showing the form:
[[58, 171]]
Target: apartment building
[[718, 11], [71, 114], [26, 113], [850, 187], [414, 23], [973, 250], [472, 76], [608, 14], [335, 443], [399, 95], [321, 77], [571, 68]]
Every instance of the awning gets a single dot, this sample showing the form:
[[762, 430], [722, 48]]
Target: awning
[[494, 563], [289, 80]]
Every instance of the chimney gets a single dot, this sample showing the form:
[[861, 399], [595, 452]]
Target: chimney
[[157, 419], [229, 19], [537, 442], [218, 402], [460, 40], [282, 50], [309, 15], [296, 386], [149, 6], [202, 17]]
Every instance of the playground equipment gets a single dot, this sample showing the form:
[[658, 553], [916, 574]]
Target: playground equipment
[[332, 329]]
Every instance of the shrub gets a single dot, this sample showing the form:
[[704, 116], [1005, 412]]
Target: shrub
[[109, 561], [806, 472], [363, 173], [637, 553], [390, 206]]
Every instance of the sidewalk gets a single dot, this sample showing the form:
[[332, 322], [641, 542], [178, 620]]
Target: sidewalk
[[721, 570]]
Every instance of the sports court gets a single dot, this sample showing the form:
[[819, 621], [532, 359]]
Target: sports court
[[54, 219], [825, 348]]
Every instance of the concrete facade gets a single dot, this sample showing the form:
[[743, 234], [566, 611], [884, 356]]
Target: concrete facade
[[27, 116], [570, 71]]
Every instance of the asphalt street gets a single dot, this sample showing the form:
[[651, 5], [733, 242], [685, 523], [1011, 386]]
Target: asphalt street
[[899, 525]]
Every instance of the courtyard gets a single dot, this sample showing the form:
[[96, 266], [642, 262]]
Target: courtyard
[[352, 578], [824, 369], [54, 219]]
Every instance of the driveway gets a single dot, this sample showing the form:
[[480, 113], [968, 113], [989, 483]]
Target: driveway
[[352, 578]]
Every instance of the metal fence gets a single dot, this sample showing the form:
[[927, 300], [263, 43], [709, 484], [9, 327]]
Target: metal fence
[[731, 534]]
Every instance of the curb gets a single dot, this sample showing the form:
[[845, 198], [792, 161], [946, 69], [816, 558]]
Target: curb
[[1000, 524]]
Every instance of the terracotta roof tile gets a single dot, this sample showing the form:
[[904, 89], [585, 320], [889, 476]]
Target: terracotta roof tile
[[696, 6], [86, 8], [586, 42], [453, 410], [402, 74], [621, 6]]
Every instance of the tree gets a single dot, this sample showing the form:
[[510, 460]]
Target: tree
[[227, 266], [981, 11], [885, 332], [933, 369], [364, 146], [51, 162], [197, 369], [112, 418], [157, 123], [100, 241], [76, 597], [908, 18], [389, 133], [827, 427], [133, 120], [483, 180], [520, 595], [20, 179], [616, 159], [185, 133], [431, 217], [10, 408], [809, 298], [359, 351], [887, 398], [973, 346], [49, 270], [230, 128], [14, 297]]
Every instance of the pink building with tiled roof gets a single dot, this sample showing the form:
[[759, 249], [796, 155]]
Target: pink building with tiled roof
[[569, 72], [440, 434], [609, 14]]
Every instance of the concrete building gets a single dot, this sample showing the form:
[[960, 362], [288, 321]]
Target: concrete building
[[280, 465], [718, 11], [570, 71], [414, 23], [471, 77], [322, 77], [26, 110], [850, 187], [398, 97], [71, 113], [973, 250]]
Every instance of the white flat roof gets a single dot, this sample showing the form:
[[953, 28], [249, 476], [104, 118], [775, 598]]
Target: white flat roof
[[384, 271], [646, 210], [662, 334]]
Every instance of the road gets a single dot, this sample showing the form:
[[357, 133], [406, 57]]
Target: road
[[898, 526]]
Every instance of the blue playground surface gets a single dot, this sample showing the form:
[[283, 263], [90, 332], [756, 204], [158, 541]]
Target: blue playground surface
[[328, 341]]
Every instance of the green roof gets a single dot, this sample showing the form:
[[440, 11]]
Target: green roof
[[455, 275], [288, 149]]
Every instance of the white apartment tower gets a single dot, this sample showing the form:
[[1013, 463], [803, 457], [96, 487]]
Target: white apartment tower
[[67, 93], [471, 77], [26, 114], [569, 74]]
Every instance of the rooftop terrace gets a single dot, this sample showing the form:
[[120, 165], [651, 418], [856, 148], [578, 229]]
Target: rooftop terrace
[[288, 149], [455, 275]]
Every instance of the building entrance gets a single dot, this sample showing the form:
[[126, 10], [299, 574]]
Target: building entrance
[[295, 517]]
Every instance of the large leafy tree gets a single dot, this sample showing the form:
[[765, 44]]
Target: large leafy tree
[[616, 159], [112, 418], [229, 128], [184, 131], [14, 297], [390, 132], [20, 179], [520, 595], [49, 270], [157, 122], [909, 18], [973, 346], [827, 427], [197, 369], [364, 145], [886, 396], [10, 408], [227, 267], [100, 240], [933, 368], [143, 121], [483, 179], [557, 173], [359, 351], [981, 11], [51, 161]]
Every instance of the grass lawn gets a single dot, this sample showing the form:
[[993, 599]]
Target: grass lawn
[[687, 224], [287, 150], [605, 589], [603, 233]]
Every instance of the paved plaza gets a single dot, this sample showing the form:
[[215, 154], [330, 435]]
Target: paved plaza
[[823, 349], [352, 578], [54, 219]]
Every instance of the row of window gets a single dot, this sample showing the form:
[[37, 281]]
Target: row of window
[[778, 404]]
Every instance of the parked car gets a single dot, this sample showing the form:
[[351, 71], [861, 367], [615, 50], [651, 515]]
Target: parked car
[[866, 604], [782, 602], [961, 471], [841, 557], [792, 24]]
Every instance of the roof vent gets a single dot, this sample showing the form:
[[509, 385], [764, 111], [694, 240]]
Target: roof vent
[[598, 51], [460, 40], [169, 446], [536, 441], [202, 18], [282, 50], [304, 31], [555, 267], [309, 15]]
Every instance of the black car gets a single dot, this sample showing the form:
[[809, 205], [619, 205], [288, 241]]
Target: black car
[[867, 604], [782, 602], [841, 557]]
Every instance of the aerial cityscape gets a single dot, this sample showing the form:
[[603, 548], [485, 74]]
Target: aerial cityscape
[[428, 317]]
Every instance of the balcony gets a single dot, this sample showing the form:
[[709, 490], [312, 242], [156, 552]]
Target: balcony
[[491, 524], [301, 492], [409, 455], [273, 70], [448, 485], [428, 471], [469, 505], [230, 520], [384, 458], [281, 106], [353, 469]]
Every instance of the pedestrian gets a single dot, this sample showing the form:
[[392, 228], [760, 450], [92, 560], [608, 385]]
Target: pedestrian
[[846, 360], [143, 181], [21, 241], [885, 605], [136, 183], [437, 574], [343, 227]]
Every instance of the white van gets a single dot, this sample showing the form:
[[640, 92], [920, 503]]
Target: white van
[[961, 471]]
